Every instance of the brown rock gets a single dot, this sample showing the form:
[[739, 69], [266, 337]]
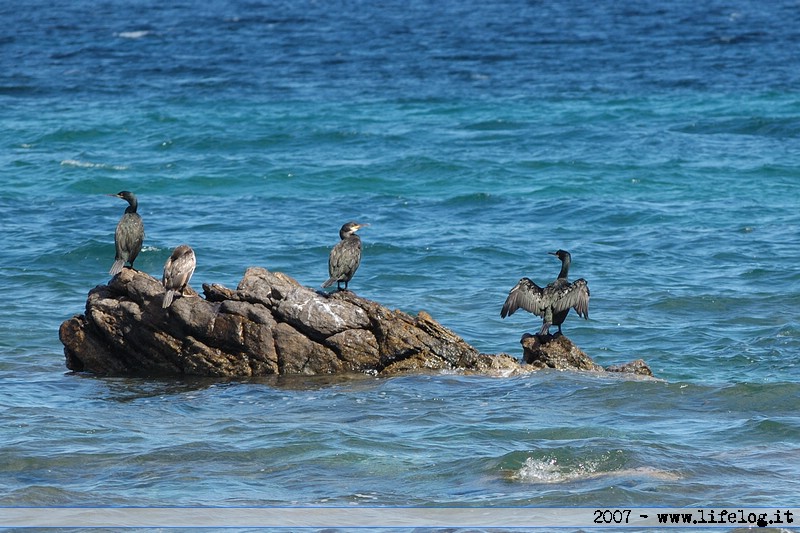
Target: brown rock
[[638, 367], [548, 351], [558, 352], [270, 324], [297, 354], [357, 347]]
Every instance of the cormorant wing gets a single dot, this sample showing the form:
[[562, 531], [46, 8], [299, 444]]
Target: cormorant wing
[[129, 235], [574, 295], [526, 295], [345, 258]]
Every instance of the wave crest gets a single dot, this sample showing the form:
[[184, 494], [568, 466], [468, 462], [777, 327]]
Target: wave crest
[[88, 164], [547, 470]]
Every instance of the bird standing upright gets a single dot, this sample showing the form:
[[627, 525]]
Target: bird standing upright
[[129, 235], [553, 302], [345, 256], [178, 271]]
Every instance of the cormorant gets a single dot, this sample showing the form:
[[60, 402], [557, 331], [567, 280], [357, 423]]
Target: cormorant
[[345, 256], [553, 302], [178, 271], [129, 235]]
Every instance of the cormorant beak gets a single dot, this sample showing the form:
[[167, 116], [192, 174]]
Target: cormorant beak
[[553, 253], [359, 226], [114, 195]]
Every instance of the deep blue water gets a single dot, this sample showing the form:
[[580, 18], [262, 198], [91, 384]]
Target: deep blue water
[[658, 142]]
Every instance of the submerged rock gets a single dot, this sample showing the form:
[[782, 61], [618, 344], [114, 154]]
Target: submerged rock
[[638, 367], [270, 324]]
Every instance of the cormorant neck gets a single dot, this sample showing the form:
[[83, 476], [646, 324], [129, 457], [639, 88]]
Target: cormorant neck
[[132, 205], [564, 268]]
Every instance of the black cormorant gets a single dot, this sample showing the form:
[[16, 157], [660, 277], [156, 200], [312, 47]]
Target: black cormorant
[[345, 256], [178, 271], [553, 302], [129, 235]]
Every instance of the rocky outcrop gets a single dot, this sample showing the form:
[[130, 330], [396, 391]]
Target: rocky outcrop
[[549, 351], [270, 324]]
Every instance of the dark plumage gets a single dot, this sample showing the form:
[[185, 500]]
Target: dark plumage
[[129, 235], [178, 271], [345, 256], [553, 302]]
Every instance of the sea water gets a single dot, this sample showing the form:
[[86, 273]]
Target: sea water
[[658, 142]]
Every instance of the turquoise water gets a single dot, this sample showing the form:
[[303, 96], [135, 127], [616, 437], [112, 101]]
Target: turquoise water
[[659, 145]]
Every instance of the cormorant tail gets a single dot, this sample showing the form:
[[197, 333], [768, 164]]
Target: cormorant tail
[[328, 283], [116, 268], [167, 299]]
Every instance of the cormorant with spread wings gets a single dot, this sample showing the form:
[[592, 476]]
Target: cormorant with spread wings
[[553, 302]]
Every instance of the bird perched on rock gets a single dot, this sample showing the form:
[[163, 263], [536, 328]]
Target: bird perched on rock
[[345, 256], [553, 302], [129, 235], [178, 271]]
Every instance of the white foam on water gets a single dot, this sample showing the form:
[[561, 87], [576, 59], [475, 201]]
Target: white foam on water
[[133, 34], [88, 164], [549, 471]]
